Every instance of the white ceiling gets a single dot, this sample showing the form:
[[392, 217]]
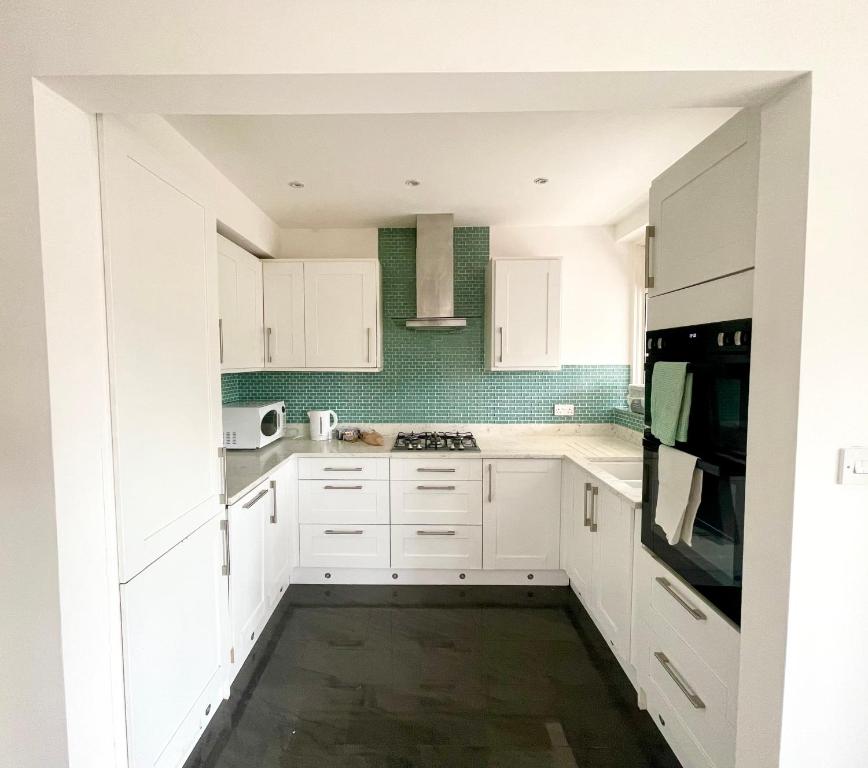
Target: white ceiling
[[479, 166]]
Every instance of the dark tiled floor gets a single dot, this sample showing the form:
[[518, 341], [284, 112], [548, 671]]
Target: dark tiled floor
[[434, 677]]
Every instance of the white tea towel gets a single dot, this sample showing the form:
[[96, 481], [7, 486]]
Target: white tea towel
[[692, 508], [675, 476]]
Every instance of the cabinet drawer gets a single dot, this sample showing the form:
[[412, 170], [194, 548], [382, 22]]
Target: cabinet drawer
[[676, 733], [343, 468], [430, 468], [437, 502], [437, 546], [344, 546], [668, 602], [694, 693], [343, 501]]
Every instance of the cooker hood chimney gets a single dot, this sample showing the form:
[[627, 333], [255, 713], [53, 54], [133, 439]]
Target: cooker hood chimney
[[435, 294]]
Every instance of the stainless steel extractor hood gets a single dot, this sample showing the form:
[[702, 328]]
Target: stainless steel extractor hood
[[435, 293]]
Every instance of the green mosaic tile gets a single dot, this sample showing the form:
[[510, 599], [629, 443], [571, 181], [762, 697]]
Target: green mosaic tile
[[626, 418], [438, 377]]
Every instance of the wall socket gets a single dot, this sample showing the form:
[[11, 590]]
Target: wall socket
[[565, 409]]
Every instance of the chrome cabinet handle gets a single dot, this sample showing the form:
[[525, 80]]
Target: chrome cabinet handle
[[368, 342], [435, 533], [435, 487], [249, 504], [587, 519], [220, 333], [224, 490], [224, 527], [273, 518], [268, 344], [342, 487], [342, 469], [594, 494], [650, 233], [435, 469], [490, 483], [679, 680], [500, 332], [692, 610], [331, 532]]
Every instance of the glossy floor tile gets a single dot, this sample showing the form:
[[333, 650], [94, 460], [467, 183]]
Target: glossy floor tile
[[439, 677]]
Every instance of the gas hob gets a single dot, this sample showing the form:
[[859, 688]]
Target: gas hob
[[435, 441]]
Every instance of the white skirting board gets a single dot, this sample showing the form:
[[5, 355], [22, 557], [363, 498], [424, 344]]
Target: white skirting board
[[429, 577]]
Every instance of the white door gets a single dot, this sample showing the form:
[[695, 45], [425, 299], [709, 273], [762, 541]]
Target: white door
[[161, 302], [703, 209], [241, 339], [281, 532], [175, 657], [582, 543], [341, 310], [613, 568], [248, 602], [283, 311], [521, 514], [525, 329]]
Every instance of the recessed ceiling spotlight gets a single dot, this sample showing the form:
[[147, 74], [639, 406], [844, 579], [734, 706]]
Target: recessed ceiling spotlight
[[296, 184], [412, 182], [540, 180]]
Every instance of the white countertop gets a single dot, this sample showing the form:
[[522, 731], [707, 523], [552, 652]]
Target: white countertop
[[246, 469]]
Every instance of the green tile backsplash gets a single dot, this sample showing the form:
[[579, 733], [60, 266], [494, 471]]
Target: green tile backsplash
[[438, 376]]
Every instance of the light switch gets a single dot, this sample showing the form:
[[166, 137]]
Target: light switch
[[853, 469]]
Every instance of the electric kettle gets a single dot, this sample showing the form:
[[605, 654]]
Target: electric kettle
[[321, 424]]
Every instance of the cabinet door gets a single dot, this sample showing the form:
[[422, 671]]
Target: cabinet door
[[281, 532], [241, 340], [341, 311], [248, 602], [521, 514], [283, 311], [161, 303], [582, 549], [613, 568], [526, 308], [703, 209], [174, 615]]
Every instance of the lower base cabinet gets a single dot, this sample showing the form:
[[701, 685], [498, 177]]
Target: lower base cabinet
[[281, 540], [437, 546], [174, 619], [344, 546]]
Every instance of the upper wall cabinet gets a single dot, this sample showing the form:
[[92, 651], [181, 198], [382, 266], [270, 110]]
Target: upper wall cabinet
[[241, 337], [341, 313], [703, 210], [284, 313], [523, 315]]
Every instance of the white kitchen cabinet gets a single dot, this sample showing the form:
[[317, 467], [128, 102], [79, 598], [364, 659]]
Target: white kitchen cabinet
[[343, 501], [248, 592], [283, 313], [344, 546], [612, 530], [703, 209], [523, 314], [241, 337], [161, 303], [580, 566], [436, 502], [437, 546], [175, 649], [281, 532], [342, 314], [521, 514]]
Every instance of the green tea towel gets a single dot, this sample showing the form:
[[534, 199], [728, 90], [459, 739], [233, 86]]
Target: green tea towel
[[671, 395]]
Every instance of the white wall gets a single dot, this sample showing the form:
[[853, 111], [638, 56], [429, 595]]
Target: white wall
[[71, 231], [359, 242], [597, 287]]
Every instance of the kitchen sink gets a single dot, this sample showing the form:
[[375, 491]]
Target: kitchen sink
[[629, 470]]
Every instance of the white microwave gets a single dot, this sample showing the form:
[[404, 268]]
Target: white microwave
[[253, 423]]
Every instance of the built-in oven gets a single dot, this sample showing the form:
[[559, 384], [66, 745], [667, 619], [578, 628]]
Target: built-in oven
[[718, 357]]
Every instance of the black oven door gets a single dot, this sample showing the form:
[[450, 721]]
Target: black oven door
[[718, 356]]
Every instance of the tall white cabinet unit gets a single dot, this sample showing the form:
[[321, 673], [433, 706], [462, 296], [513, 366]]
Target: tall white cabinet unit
[[161, 303], [523, 314], [241, 336], [283, 307], [703, 209], [521, 514]]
